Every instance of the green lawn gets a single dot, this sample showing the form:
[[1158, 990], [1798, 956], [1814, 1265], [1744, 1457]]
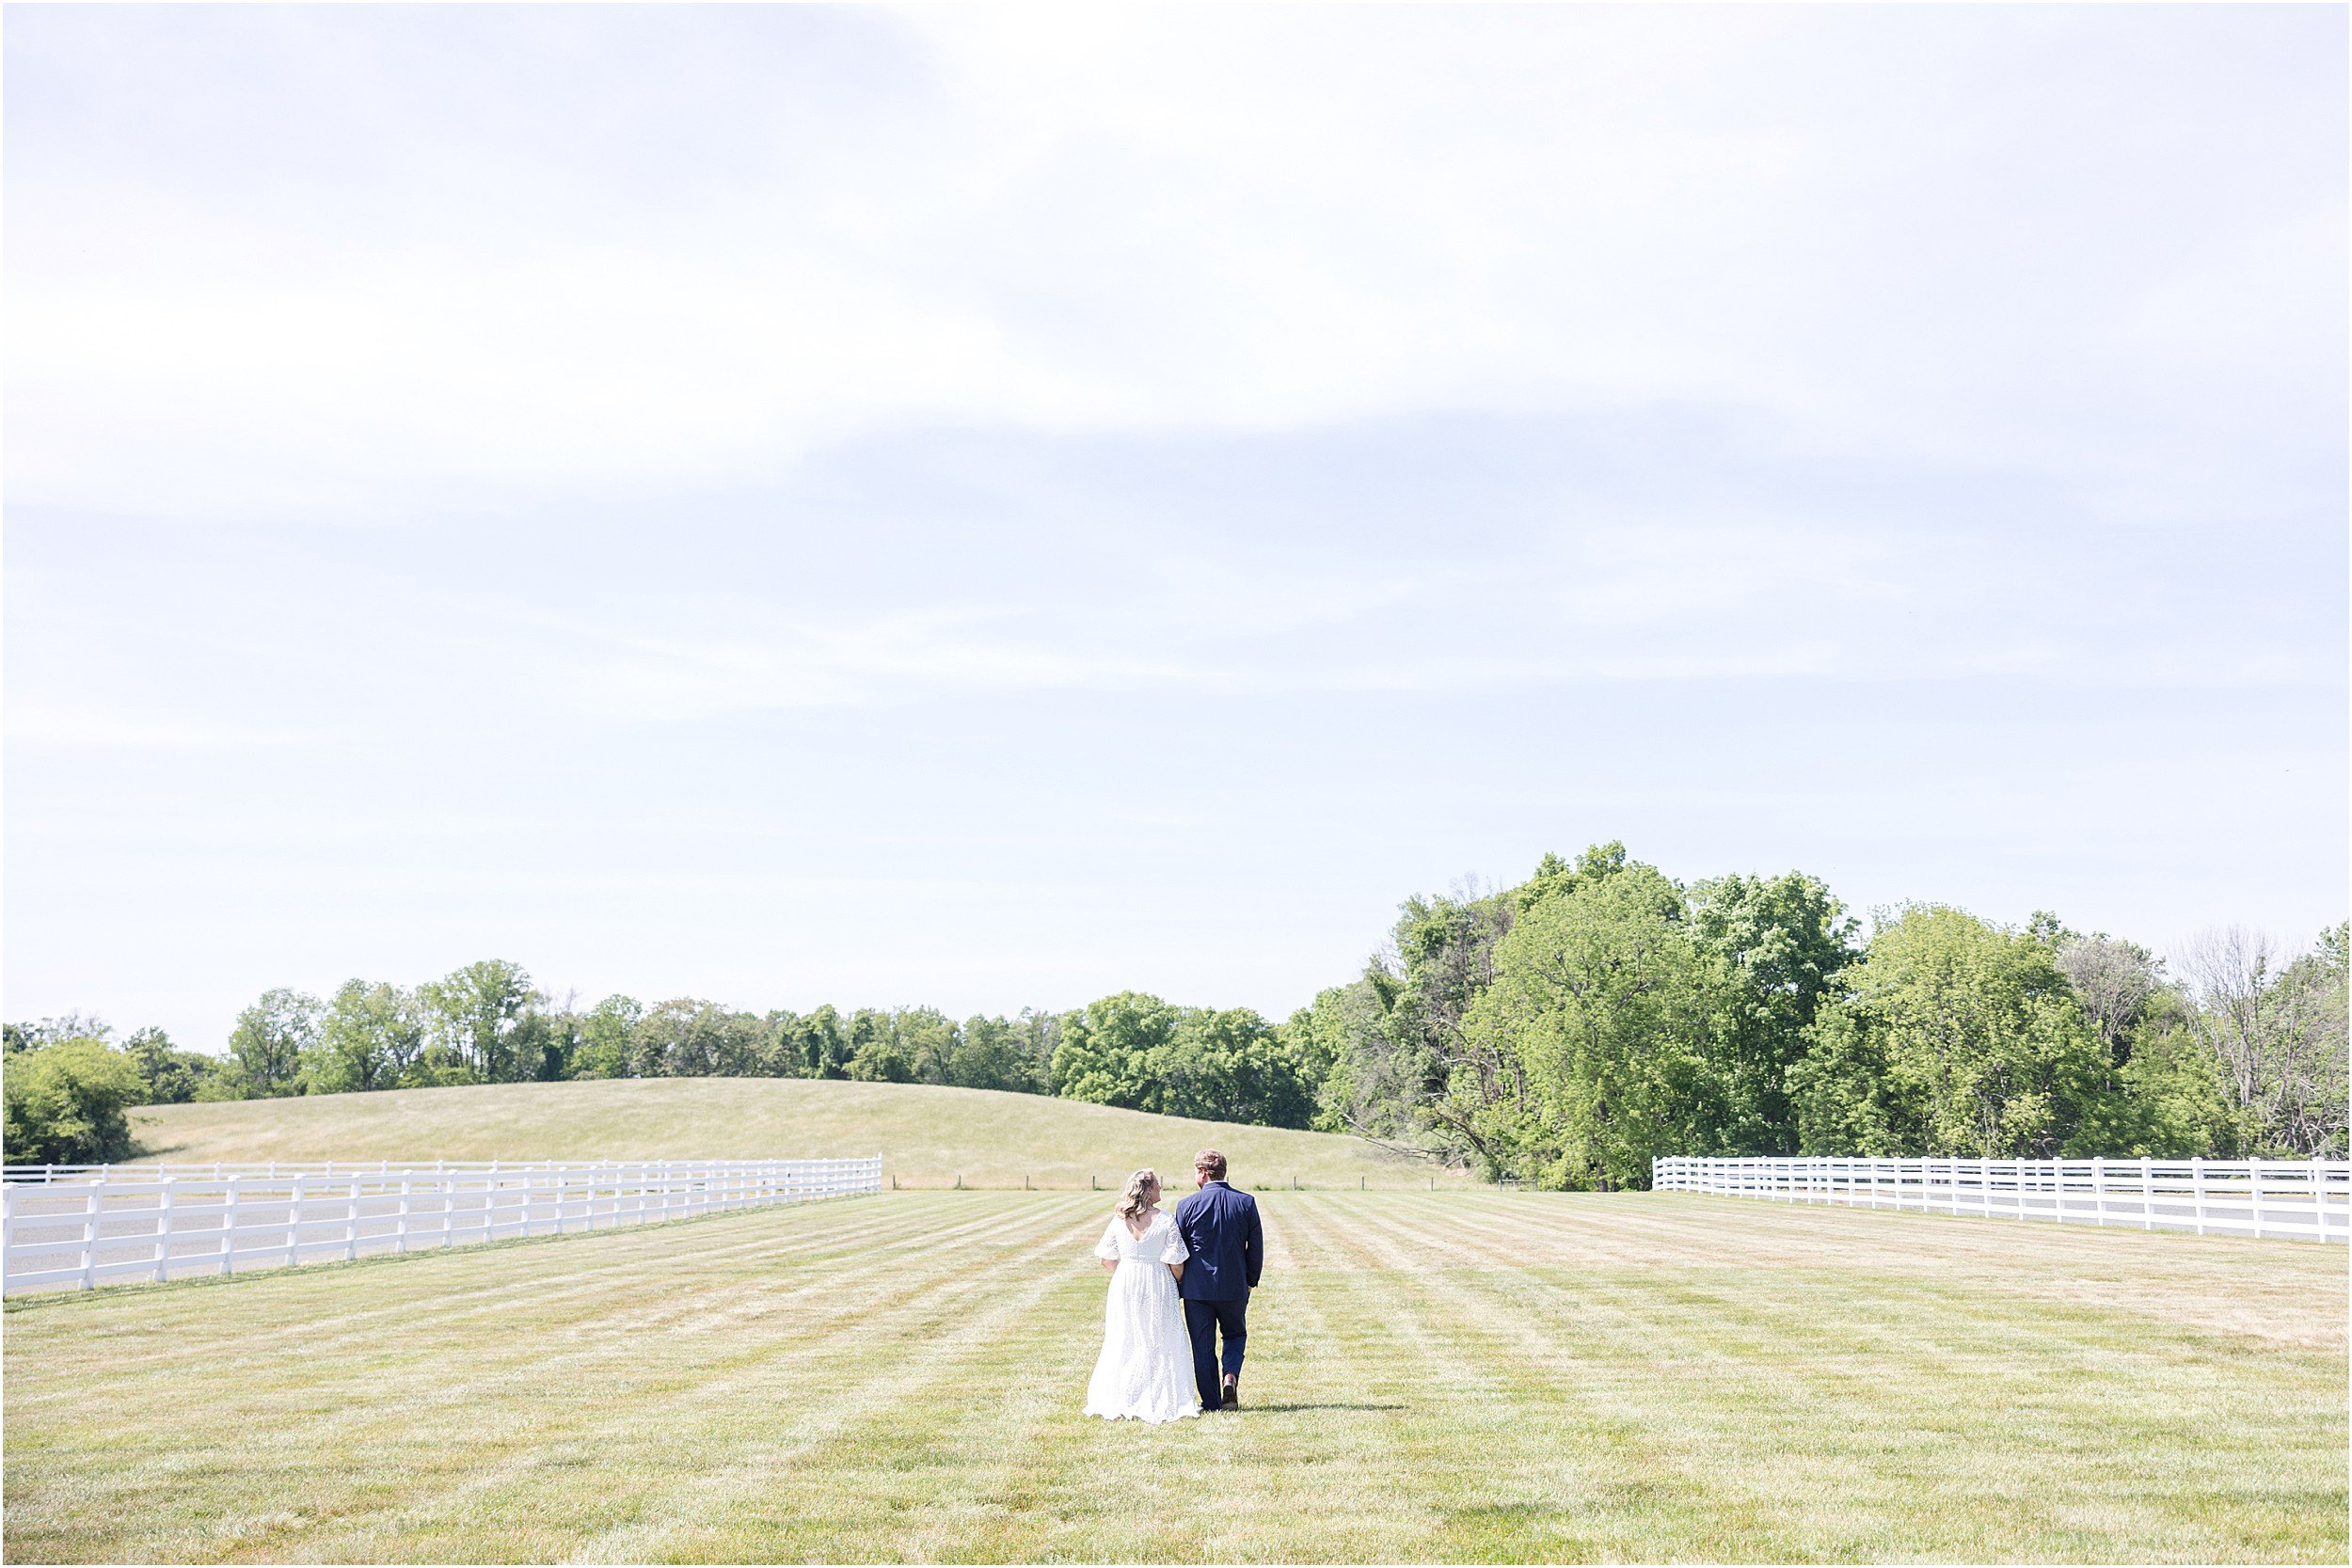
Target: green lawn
[[1449, 1376], [928, 1137]]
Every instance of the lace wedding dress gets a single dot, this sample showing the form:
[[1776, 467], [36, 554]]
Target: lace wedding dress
[[1146, 1366]]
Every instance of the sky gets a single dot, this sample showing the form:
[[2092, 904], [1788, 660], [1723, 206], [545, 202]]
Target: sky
[[993, 506]]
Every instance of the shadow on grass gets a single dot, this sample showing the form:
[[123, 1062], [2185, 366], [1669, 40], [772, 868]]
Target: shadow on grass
[[1263, 1407]]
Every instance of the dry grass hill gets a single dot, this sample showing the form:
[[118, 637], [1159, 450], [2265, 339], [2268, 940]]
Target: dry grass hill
[[926, 1136]]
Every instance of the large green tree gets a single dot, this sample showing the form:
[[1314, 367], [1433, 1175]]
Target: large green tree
[[1389, 1038], [692, 1039], [605, 1034], [174, 1076], [1955, 1037], [1004, 1054], [274, 1040], [475, 1016], [1597, 1045], [371, 1036], [1781, 942], [65, 1103], [1108, 1047], [1215, 1064]]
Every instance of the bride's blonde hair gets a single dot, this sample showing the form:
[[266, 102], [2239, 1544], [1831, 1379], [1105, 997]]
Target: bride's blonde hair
[[1141, 1188]]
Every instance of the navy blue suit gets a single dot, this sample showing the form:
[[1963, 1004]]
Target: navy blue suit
[[1221, 1229]]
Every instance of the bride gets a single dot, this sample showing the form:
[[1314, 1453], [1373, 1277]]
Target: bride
[[1146, 1366]]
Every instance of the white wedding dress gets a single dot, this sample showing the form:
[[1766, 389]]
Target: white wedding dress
[[1146, 1366]]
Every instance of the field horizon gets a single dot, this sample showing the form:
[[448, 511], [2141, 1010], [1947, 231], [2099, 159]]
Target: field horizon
[[928, 1136]]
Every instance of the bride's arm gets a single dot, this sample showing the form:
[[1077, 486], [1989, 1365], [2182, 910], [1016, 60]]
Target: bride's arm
[[1178, 1270], [1111, 1265]]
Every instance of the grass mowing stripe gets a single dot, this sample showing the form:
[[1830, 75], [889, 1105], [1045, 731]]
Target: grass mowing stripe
[[947, 1322], [882, 1303], [1358, 1357], [1573, 1361], [1589, 1470], [952, 1474], [635, 1440], [502, 1367], [588, 1261], [332, 1335], [2043, 1368]]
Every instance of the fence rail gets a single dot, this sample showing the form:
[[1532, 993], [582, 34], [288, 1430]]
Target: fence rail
[[80, 1227], [2308, 1200]]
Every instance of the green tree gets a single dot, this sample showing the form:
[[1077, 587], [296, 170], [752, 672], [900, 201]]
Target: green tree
[[877, 1052], [929, 1041], [65, 1103], [1231, 1065], [606, 1032], [2171, 1101], [810, 1045], [1595, 1048], [371, 1035], [274, 1040], [545, 1043], [2115, 983], [692, 1039], [173, 1076], [1107, 1050], [474, 1015], [1389, 1038], [2278, 1034], [54, 1031], [1003, 1053], [1955, 1037], [1782, 941]]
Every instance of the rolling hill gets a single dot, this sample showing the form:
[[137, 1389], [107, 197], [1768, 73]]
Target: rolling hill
[[926, 1136]]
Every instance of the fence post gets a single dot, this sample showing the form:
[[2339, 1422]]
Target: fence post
[[2319, 1199], [162, 1231], [2254, 1191], [293, 1220], [90, 1238], [400, 1229], [2147, 1193], [2196, 1189]]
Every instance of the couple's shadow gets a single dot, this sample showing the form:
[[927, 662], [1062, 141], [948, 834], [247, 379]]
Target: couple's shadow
[[1272, 1406]]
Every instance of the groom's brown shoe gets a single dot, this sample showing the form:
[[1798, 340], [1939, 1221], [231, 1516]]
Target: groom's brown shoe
[[1233, 1393]]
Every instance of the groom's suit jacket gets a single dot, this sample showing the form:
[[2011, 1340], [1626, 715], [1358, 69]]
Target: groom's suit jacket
[[1220, 1228]]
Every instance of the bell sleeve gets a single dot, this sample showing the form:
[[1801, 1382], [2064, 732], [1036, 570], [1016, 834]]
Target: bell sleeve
[[1175, 1252], [1107, 1249]]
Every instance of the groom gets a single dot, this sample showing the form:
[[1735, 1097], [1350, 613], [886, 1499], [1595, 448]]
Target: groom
[[1221, 1229]]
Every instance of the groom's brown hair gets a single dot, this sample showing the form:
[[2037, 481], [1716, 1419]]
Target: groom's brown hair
[[1210, 1163]]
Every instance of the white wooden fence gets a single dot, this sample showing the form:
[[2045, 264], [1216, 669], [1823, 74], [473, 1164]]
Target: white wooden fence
[[67, 1226], [2308, 1200]]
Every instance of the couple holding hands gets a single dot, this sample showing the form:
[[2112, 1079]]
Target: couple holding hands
[[1178, 1281]]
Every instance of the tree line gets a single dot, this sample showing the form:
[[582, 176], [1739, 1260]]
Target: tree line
[[1559, 1032], [1565, 1031]]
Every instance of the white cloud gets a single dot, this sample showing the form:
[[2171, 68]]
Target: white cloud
[[1162, 221]]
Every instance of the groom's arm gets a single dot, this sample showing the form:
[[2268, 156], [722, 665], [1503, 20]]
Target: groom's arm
[[1253, 1247]]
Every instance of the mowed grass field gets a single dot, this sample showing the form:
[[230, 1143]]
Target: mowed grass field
[[1451, 1376], [929, 1137]]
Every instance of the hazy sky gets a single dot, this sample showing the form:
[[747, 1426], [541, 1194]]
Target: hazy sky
[[992, 507]]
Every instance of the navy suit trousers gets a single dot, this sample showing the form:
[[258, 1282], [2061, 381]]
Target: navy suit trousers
[[1202, 1321]]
